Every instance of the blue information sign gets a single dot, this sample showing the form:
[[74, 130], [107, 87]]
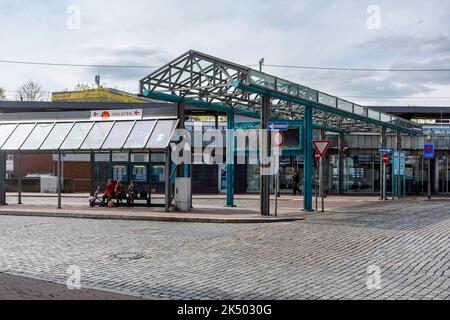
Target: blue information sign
[[384, 150], [428, 151], [279, 126]]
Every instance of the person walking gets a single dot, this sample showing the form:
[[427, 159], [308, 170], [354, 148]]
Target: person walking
[[295, 181]]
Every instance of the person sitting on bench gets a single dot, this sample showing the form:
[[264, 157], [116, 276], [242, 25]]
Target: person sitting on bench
[[132, 192], [119, 192], [109, 192]]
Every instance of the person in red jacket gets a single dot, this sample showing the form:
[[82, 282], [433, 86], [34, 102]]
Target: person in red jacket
[[109, 191]]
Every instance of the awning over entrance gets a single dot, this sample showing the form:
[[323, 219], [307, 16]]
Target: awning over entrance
[[145, 134]]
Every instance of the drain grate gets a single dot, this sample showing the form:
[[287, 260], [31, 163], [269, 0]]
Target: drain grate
[[128, 256]]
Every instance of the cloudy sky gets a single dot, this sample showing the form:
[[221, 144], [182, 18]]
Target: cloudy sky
[[407, 35]]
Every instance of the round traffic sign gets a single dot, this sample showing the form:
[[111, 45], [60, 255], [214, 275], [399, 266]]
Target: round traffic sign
[[277, 138], [386, 158], [317, 156]]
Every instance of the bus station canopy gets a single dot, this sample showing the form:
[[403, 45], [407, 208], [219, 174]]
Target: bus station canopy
[[84, 135], [206, 81]]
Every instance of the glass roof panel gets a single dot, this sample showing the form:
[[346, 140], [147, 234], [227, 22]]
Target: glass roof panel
[[162, 134], [327, 99], [140, 134], [76, 135], [18, 136], [385, 117], [307, 93], [56, 136], [117, 135], [373, 114], [345, 105], [36, 137], [97, 135], [5, 131], [262, 79]]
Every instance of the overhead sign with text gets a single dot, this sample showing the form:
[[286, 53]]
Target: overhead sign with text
[[122, 114]]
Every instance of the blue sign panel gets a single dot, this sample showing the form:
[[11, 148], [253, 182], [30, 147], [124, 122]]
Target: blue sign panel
[[428, 151], [384, 150], [402, 164], [279, 126]]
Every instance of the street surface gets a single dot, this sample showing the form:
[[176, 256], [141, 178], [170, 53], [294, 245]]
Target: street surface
[[324, 257]]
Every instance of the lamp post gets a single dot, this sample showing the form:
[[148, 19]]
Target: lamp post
[[261, 62]]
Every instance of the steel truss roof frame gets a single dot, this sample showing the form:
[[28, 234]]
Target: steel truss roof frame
[[195, 77]]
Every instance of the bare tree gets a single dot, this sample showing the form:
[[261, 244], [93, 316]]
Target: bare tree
[[31, 91], [2, 94]]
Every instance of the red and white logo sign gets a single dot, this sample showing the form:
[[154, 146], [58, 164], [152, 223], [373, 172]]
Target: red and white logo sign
[[321, 146], [123, 114], [386, 158]]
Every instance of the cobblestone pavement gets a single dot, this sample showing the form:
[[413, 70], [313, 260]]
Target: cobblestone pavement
[[323, 257], [21, 288]]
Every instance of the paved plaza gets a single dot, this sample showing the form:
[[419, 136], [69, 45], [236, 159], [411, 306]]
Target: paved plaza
[[326, 256]]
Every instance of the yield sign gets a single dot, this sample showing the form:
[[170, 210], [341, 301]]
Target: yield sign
[[321, 146]]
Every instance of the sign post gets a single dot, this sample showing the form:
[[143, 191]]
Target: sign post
[[398, 175], [385, 159], [428, 153], [277, 140], [321, 147]]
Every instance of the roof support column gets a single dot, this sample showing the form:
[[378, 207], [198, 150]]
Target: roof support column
[[2, 178], [92, 169], [60, 182], [264, 192], [167, 182], [321, 168], [19, 178], [382, 167], [341, 163], [182, 118], [307, 158], [436, 174], [230, 159], [186, 169]]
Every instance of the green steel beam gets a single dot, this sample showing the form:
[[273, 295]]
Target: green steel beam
[[224, 108]]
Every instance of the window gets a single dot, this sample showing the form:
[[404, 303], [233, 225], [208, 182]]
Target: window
[[139, 173], [120, 173]]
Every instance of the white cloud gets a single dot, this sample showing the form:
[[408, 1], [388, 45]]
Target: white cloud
[[138, 32]]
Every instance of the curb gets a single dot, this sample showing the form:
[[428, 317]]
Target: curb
[[149, 218]]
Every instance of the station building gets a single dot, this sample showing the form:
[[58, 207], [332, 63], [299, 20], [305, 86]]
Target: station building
[[203, 92]]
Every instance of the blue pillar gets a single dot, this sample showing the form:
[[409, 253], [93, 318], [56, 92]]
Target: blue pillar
[[230, 159], [307, 159]]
